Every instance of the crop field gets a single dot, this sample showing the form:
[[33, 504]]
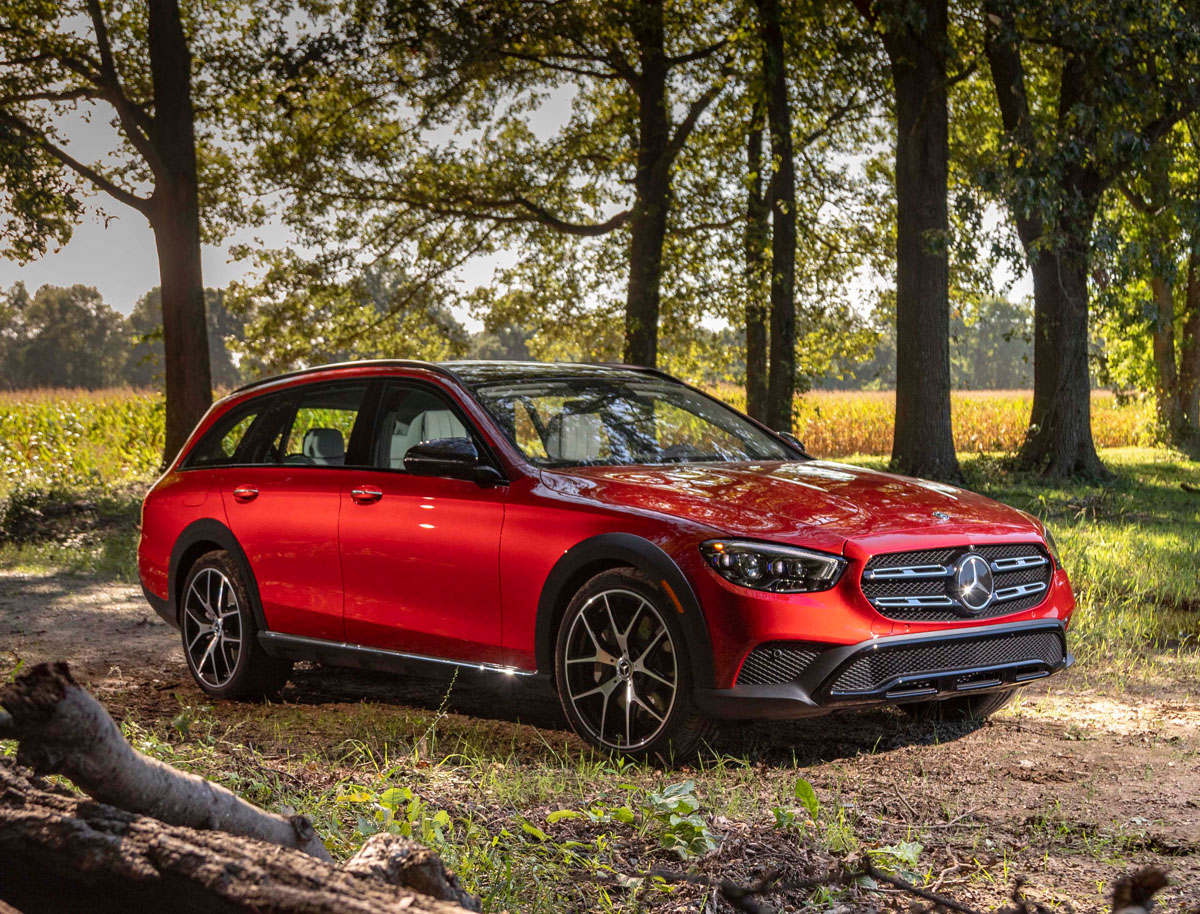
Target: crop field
[[77, 440]]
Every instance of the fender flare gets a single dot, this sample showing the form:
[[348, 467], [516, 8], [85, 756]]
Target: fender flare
[[632, 550], [213, 531]]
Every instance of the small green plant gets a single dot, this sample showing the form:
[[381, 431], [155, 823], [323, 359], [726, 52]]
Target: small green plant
[[674, 812]]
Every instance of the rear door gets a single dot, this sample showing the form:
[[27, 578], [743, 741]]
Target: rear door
[[283, 508], [421, 555]]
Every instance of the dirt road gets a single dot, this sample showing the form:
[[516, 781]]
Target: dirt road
[[1072, 786]]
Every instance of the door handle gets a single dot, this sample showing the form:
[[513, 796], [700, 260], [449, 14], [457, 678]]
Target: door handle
[[245, 493], [366, 495]]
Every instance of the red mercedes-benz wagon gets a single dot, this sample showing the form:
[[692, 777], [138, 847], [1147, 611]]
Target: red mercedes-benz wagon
[[660, 558]]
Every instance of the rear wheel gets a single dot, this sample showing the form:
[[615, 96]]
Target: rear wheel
[[622, 669], [219, 634], [962, 707]]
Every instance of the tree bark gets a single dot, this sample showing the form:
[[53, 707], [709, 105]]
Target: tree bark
[[1168, 401], [924, 439], [757, 313], [64, 730], [62, 853], [1189, 355], [652, 186], [1059, 439], [781, 380], [175, 218]]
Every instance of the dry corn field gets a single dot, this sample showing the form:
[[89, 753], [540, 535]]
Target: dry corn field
[[79, 439], [835, 423]]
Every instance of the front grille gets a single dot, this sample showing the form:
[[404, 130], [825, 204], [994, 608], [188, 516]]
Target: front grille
[[776, 662], [919, 586], [872, 671]]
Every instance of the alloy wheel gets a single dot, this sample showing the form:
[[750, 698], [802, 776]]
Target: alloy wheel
[[621, 671], [212, 627]]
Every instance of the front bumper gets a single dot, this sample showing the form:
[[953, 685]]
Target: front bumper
[[900, 668]]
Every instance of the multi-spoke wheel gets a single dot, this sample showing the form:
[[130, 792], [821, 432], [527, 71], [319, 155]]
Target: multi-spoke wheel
[[218, 631], [621, 669], [212, 627]]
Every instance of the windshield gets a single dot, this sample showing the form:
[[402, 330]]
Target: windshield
[[621, 422]]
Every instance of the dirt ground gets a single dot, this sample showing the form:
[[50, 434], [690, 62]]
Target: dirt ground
[[1073, 786]]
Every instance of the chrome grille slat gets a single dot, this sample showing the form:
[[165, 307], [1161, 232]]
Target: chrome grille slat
[[918, 586], [1004, 594], [907, 573], [1016, 563]]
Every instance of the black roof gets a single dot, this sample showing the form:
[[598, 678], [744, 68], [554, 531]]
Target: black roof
[[475, 373]]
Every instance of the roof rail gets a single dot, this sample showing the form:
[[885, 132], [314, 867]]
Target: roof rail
[[301, 372]]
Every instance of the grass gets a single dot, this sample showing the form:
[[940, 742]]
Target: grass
[[531, 819]]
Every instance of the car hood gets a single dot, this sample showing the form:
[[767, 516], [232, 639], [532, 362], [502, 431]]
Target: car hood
[[815, 503]]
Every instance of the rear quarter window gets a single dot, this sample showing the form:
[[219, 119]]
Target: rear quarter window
[[226, 443]]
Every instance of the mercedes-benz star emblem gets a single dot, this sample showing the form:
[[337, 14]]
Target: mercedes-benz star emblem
[[973, 580]]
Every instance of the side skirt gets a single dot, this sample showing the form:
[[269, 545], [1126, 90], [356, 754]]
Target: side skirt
[[340, 653]]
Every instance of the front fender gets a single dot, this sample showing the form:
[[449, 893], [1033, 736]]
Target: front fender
[[623, 549]]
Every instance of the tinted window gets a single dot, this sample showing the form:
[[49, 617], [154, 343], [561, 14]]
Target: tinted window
[[409, 415], [230, 441], [622, 421], [321, 427]]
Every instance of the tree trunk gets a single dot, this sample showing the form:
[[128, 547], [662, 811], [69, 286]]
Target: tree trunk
[[175, 218], [62, 853], [1059, 441], [1189, 356], [652, 184], [781, 382], [1168, 402], [757, 230], [924, 439]]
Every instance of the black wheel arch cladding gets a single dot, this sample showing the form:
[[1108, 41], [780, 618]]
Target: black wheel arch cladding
[[610, 550]]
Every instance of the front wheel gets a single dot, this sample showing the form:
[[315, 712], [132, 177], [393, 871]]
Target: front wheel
[[622, 669], [219, 635], [961, 708]]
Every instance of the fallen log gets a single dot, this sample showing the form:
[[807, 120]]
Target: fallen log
[[154, 837], [63, 730], [60, 853]]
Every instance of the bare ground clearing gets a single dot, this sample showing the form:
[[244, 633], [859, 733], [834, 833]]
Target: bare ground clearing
[[1085, 778]]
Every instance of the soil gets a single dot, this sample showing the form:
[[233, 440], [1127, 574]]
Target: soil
[[1073, 786]]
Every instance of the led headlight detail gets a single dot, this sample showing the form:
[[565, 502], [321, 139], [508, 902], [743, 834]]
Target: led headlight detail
[[778, 569]]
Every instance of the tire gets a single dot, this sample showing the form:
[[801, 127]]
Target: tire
[[619, 638], [220, 644], [961, 708]]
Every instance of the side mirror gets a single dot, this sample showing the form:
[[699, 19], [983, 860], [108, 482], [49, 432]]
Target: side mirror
[[454, 458], [794, 442]]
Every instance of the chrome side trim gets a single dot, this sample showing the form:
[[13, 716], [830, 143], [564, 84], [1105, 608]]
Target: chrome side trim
[[299, 647], [1017, 563], [907, 573], [1004, 594]]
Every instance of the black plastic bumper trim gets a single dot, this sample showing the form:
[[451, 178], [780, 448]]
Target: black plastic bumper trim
[[809, 695]]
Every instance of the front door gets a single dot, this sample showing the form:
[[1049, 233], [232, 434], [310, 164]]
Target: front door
[[420, 555]]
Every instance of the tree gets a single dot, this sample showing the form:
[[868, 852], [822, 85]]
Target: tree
[[1083, 89], [136, 61], [366, 135], [61, 337], [299, 315], [915, 36], [146, 358]]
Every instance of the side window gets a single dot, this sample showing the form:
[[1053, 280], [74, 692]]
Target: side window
[[230, 440], [409, 415], [320, 430]]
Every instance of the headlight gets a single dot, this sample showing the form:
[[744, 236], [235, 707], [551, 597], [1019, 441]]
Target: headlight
[[779, 569], [1053, 546]]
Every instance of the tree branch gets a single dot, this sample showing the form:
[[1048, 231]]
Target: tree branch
[[136, 124], [685, 128], [141, 204]]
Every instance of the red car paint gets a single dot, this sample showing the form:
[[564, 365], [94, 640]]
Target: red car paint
[[447, 568]]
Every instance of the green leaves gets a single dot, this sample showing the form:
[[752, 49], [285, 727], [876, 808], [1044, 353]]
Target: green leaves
[[808, 798]]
